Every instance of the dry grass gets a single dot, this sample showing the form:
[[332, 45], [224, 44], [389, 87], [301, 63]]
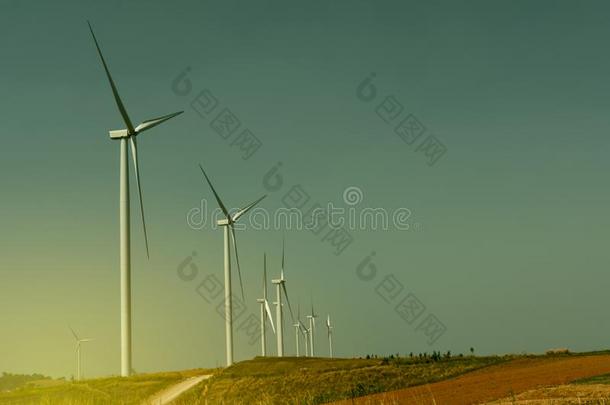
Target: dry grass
[[99, 391], [590, 394], [292, 380], [535, 380]]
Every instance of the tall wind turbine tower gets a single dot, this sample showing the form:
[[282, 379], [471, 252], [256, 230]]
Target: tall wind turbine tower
[[297, 329], [329, 328], [312, 330], [265, 310], [79, 341], [228, 224], [303, 329], [124, 136], [305, 332], [281, 286]]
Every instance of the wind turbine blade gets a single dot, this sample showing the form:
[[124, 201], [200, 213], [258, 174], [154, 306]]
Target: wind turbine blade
[[265, 276], [247, 208], [328, 321], [86, 340], [288, 301], [269, 314], [237, 261], [115, 92], [153, 122], [134, 154], [73, 333], [220, 204], [283, 259]]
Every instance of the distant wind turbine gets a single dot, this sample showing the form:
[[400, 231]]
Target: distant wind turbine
[[303, 329], [312, 329], [79, 341], [265, 310], [125, 135], [329, 328], [228, 224], [281, 286], [305, 333], [297, 329]]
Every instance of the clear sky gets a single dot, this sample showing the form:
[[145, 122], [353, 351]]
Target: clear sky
[[508, 229]]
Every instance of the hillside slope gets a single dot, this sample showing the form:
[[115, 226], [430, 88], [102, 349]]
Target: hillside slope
[[306, 380], [501, 381], [98, 391]]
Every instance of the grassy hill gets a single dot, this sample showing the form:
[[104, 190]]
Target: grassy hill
[[318, 380], [99, 391], [271, 380]]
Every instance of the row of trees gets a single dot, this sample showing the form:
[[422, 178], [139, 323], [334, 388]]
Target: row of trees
[[434, 356], [10, 381]]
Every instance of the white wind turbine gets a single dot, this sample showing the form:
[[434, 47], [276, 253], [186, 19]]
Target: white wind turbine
[[297, 329], [329, 328], [312, 329], [125, 135], [303, 329], [281, 285], [228, 224], [79, 341], [305, 332], [265, 310]]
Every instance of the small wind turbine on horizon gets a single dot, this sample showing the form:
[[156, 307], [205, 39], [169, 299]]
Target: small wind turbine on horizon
[[303, 329], [281, 286], [312, 329], [305, 333], [79, 341], [228, 224], [306, 336], [125, 135], [297, 329], [329, 328], [265, 310]]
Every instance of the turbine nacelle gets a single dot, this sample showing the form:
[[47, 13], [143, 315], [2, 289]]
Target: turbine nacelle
[[224, 222], [148, 124], [119, 133]]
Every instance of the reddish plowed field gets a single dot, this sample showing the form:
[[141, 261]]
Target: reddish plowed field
[[495, 382]]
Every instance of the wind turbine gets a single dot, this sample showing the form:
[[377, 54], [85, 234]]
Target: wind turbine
[[228, 224], [312, 329], [301, 328], [125, 135], [79, 375], [330, 336], [281, 285], [265, 310], [305, 333], [297, 328]]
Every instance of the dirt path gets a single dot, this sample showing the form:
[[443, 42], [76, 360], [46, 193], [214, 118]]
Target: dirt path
[[169, 394], [495, 382]]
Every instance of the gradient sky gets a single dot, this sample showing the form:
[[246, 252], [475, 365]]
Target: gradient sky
[[511, 246]]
